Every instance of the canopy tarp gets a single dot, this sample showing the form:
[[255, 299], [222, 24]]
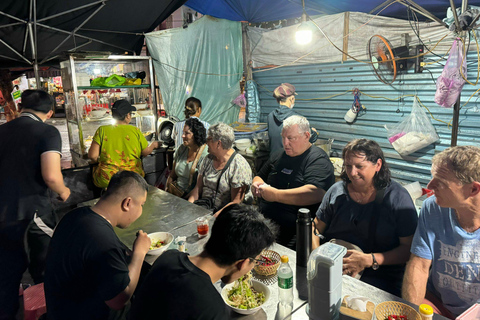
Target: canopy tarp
[[56, 26], [204, 61], [270, 10]]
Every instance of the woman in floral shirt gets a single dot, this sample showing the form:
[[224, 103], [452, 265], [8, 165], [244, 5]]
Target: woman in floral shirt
[[119, 146], [234, 182]]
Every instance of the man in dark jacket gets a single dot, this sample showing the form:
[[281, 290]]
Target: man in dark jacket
[[285, 95]]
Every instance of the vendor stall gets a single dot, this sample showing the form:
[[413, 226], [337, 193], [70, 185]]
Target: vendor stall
[[92, 83]]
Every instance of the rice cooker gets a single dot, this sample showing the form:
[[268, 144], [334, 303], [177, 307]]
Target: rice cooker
[[165, 130]]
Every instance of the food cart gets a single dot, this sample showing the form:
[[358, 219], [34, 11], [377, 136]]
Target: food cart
[[88, 106]]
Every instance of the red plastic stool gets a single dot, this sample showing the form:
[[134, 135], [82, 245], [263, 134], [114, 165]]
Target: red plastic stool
[[34, 302]]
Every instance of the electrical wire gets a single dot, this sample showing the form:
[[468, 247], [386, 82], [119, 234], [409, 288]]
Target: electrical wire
[[416, 30], [378, 97]]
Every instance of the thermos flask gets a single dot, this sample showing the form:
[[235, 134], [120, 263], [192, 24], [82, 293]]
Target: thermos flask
[[304, 236]]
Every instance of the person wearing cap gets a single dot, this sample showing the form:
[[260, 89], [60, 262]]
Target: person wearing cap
[[30, 159], [119, 146], [285, 95]]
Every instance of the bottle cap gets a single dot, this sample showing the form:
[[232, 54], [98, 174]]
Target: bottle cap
[[425, 309], [284, 259]]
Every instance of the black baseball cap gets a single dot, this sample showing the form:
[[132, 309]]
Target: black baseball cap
[[121, 108]]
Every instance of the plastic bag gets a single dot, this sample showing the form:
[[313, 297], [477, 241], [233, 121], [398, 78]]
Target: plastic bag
[[112, 81], [412, 133], [450, 82]]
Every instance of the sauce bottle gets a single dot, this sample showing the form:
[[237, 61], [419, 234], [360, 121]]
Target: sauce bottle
[[425, 311]]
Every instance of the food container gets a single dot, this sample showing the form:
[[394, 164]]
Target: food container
[[326, 145], [257, 285], [98, 113], [162, 236], [268, 270], [390, 308], [243, 144]]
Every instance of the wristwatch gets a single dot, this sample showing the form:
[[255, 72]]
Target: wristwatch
[[375, 265]]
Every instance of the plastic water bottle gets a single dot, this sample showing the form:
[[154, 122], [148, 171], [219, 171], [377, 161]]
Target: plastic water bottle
[[285, 282]]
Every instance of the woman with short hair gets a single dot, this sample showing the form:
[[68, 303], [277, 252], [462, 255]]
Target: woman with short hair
[[216, 189]]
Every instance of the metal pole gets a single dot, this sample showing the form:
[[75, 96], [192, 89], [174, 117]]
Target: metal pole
[[424, 12], [34, 49], [72, 10], [454, 11], [464, 5], [456, 116]]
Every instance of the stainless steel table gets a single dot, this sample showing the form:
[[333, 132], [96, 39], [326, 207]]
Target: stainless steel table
[[165, 212], [350, 286]]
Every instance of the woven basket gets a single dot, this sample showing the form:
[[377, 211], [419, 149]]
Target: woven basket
[[268, 270], [388, 308]]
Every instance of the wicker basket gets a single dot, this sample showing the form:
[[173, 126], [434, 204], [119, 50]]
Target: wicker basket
[[388, 308], [268, 270]]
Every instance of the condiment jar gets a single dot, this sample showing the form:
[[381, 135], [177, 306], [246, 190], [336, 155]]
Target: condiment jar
[[425, 311]]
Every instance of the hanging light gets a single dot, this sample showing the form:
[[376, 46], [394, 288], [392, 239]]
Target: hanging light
[[304, 32]]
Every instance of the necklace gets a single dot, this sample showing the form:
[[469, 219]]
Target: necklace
[[360, 199]]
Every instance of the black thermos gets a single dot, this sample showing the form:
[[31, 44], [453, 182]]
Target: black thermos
[[304, 236]]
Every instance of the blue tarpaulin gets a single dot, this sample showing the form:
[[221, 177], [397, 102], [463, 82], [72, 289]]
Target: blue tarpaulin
[[270, 10]]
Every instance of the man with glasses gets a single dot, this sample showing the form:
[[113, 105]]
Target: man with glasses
[[181, 287], [285, 95], [295, 177]]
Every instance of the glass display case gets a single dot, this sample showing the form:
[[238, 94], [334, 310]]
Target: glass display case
[[87, 105]]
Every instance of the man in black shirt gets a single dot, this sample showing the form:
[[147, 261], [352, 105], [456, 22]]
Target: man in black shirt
[[30, 161], [293, 178], [180, 287], [88, 273]]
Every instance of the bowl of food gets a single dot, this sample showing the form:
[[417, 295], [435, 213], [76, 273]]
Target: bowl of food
[[396, 310], [160, 242], [98, 113], [245, 296]]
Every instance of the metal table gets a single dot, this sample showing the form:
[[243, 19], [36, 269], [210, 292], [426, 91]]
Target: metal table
[[165, 212], [350, 286]]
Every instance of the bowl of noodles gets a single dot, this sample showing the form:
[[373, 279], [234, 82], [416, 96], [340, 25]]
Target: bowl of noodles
[[160, 242], [245, 295]]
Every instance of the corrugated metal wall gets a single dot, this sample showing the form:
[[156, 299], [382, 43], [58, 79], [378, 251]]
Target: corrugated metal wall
[[323, 80]]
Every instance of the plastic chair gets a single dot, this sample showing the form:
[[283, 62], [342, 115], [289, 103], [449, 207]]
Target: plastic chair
[[34, 302]]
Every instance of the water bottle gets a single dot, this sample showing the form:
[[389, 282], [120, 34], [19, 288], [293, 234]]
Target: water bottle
[[304, 236], [285, 282]]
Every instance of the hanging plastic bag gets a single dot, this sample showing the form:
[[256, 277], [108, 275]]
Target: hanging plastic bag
[[450, 83], [412, 133]]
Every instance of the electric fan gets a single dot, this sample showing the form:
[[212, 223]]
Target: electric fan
[[382, 57]]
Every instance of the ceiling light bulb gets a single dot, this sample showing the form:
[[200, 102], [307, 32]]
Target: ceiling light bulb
[[304, 32]]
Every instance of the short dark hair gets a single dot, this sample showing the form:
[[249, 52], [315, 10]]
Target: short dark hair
[[37, 100], [239, 232], [191, 107], [372, 152], [125, 183], [198, 130]]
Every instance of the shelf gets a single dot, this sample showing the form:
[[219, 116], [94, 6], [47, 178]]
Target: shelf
[[117, 87]]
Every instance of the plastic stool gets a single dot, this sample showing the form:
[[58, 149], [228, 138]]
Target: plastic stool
[[34, 302]]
